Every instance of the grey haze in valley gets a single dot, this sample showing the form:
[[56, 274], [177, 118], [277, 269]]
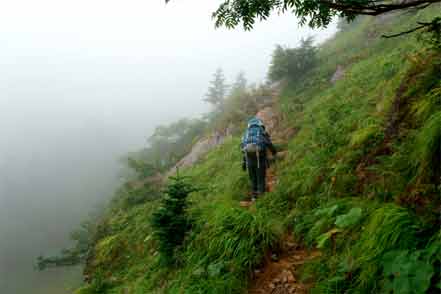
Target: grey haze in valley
[[84, 82]]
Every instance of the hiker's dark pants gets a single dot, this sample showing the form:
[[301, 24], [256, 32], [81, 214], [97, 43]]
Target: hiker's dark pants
[[257, 171]]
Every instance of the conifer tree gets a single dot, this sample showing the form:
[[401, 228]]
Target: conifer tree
[[240, 84], [293, 63], [170, 222], [217, 89]]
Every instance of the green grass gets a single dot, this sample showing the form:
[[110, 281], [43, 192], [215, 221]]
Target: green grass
[[361, 194], [224, 250]]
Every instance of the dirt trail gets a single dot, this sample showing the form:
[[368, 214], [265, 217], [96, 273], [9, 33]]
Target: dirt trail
[[279, 274], [271, 179]]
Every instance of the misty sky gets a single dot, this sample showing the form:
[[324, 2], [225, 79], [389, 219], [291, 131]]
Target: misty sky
[[84, 82]]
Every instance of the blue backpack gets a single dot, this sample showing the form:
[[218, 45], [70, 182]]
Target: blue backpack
[[253, 141]]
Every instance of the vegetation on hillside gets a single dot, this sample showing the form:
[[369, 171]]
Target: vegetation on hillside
[[361, 182], [166, 146], [293, 63]]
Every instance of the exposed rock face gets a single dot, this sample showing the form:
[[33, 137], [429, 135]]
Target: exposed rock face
[[268, 117], [276, 87], [206, 144], [200, 148], [338, 74]]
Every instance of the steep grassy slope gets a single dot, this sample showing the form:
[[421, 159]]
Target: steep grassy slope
[[360, 181]]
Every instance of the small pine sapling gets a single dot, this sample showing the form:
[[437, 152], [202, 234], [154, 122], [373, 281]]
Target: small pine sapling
[[170, 222]]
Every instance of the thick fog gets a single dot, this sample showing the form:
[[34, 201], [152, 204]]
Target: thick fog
[[84, 82]]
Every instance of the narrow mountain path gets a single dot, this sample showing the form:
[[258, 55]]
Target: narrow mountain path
[[271, 179], [280, 274]]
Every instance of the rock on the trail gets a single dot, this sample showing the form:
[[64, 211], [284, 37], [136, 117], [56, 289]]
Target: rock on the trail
[[274, 257], [245, 203], [291, 245], [279, 277], [338, 74]]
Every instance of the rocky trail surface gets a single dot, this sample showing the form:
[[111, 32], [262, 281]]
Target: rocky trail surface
[[280, 273]]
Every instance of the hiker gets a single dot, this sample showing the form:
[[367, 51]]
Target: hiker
[[255, 144]]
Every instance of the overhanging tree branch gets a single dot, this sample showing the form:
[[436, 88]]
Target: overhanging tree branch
[[376, 7], [405, 32], [315, 13], [434, 25]]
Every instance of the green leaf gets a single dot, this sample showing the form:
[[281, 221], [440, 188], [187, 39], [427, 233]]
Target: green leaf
[[405, 273], [328, 211], [423, 274], [323, 238], [349, 219], [215, 269], [401, 285], [389, 261]]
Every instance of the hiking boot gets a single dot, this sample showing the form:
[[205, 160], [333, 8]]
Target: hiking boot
[[254, 196]]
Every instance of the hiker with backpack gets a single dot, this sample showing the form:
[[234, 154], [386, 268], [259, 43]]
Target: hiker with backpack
[[255, 144]]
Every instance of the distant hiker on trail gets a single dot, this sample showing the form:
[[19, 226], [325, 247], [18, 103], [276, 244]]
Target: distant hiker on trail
[[255, 144]]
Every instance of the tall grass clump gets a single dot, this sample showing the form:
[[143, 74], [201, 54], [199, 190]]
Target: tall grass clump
[[361, 239], [390, 227], [227, 243], [426, 156], [219, 175]]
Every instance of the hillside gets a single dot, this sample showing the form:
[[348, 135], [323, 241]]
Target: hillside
[[359, 184]]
